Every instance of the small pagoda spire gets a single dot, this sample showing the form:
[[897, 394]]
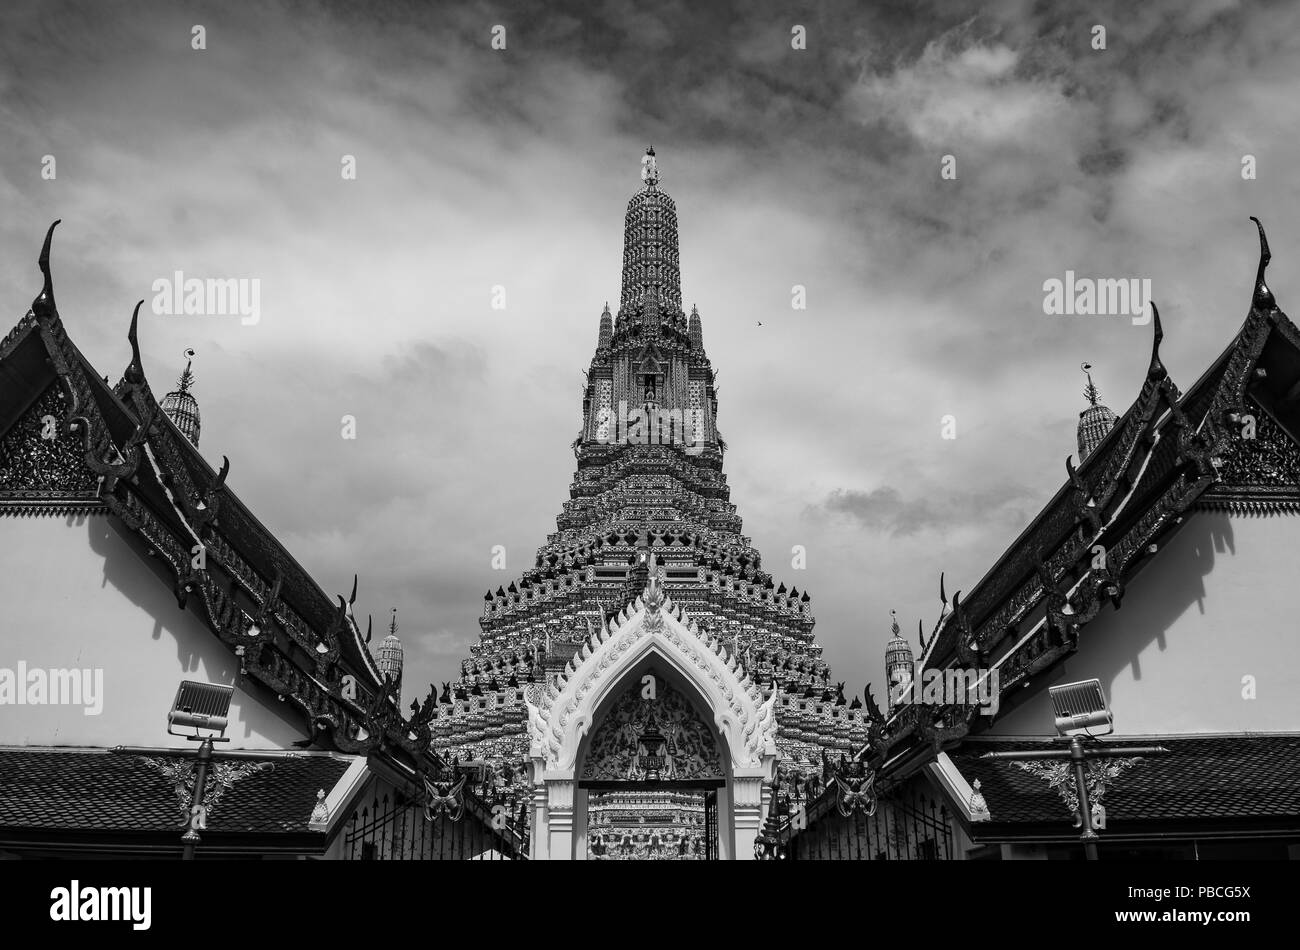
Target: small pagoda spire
[[606, 333], [898, 664], [180, 405], [650, 168], [695, 329], [1095, 421], [389, 656]]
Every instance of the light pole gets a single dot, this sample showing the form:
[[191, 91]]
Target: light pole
[[199, 706], [1080, 707]]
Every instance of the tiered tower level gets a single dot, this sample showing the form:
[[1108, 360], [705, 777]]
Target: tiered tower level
[[649, 491]]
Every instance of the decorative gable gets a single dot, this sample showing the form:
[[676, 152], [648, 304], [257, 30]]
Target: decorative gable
[[41, 462]]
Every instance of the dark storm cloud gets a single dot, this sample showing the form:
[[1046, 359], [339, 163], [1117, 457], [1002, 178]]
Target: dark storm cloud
[[886, 509]]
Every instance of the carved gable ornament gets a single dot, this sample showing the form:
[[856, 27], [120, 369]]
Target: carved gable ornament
[[685, 746], [564, 710]]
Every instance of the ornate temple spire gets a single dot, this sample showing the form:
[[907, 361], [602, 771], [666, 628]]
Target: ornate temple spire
[[606, 328], [389, 655], [898, 664], [650, 255], [650, 168], [181, 406], [1095, 421], [695, 331]]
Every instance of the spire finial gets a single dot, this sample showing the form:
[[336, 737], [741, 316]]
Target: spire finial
[[186, 379], [894, 616], [1090, 393], [1263, 298], [649, 168], [392, 626]]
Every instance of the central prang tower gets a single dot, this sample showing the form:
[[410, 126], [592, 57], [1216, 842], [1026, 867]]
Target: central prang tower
[[649, 490]]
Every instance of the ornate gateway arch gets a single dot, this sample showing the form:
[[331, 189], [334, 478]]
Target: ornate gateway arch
[[650, 633]]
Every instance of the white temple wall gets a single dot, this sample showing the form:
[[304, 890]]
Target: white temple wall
[[83, 597], [1209, 615]]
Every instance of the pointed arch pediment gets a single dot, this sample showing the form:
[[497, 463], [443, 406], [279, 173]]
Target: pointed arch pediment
[[564, 712], [687, 744]]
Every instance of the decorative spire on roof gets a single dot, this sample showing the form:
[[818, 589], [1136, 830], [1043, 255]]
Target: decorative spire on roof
[[898, 663], [649, 168], [650, 257], [1090, 391], [1263, 298], [181, 406], [1095, 421], [695, 330], [389, 655], [606, 328]]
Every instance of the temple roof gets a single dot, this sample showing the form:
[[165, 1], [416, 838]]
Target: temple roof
[[1168, 452], [82, 793], [1224, 779], [252, 592]]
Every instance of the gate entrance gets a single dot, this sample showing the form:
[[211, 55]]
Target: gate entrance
[[651, 774], [649, 698]]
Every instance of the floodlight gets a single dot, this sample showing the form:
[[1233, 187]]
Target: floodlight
[[200, 706], [1080, 707]]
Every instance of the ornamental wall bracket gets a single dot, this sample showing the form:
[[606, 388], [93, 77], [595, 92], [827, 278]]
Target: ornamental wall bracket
[[1099, 775], [1061, 615], [941, 725], [1085, 507], [209, 504], [967, 648], [267, 609], [329, 646], [222, 776]]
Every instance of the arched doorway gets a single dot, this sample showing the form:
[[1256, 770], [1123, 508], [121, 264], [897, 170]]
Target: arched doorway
[[650, 773], [566, 716]]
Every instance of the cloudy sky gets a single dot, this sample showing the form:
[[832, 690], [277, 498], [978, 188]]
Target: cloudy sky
[[478, 167]]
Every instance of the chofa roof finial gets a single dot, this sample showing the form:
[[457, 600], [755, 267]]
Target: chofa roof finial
[[135, 371], [44, 304], [1263, 298], [1157, 369]]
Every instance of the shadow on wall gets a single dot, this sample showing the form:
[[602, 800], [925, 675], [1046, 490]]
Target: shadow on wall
[[199, 653], [1156, 597], [1161, 593]]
